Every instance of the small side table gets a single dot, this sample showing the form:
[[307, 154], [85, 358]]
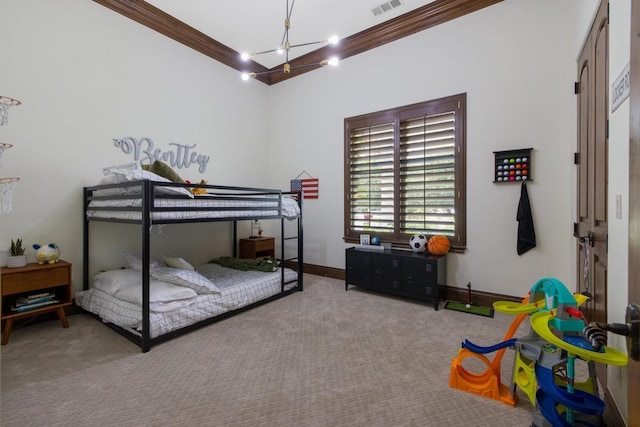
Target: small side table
[[34, 279], [257, 247]]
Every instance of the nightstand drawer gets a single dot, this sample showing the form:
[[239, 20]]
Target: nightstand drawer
[[265, 244], [34, 280], [257, 247]]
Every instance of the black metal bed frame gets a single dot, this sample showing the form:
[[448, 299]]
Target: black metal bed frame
[[150, 192]]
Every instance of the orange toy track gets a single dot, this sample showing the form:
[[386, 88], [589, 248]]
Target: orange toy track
[[486, 384]]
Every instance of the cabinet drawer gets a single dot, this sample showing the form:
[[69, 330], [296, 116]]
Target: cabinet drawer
[[263, 245], [357, 269], [14, 283], [386, 274]]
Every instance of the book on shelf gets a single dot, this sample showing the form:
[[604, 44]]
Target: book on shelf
[[34, 299], [34, 305], [36, 296], [375, 248]]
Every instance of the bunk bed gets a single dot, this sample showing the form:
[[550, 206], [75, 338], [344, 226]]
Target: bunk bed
[[158, 202]]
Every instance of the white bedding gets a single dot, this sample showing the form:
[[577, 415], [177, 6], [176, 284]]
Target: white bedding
[[268, 206], [124, 285], [237, 289], [219, 201]]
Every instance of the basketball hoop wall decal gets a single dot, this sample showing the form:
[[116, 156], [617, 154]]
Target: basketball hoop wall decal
[[5, 104], [7, 185]]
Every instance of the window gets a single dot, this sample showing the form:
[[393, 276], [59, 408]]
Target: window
[[405, 172]]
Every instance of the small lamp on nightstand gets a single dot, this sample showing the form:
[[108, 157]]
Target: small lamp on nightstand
[[256, 229]]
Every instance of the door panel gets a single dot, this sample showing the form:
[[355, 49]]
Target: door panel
[[592, 225], [633, 368], [601, 65]]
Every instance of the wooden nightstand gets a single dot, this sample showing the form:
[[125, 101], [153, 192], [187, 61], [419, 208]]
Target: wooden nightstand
[[30, 280], [257, 247]]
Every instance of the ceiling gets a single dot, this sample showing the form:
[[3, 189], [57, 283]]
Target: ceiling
[[224, 30], [258, 25]]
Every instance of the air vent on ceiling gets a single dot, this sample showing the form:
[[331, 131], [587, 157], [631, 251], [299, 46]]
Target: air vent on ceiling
[[385, 7]]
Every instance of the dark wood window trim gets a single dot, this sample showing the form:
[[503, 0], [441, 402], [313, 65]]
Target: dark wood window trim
[[405, 172]]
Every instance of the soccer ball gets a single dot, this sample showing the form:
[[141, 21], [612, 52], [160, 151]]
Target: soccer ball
[[418, 243]]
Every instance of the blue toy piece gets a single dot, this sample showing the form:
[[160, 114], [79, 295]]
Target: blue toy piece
[[490, 349], [549, 395]]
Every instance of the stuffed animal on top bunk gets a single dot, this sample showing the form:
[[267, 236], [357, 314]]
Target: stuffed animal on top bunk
[[198, 190]]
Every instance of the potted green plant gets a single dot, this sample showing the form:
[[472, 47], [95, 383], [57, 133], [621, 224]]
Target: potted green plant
[[17, 258]]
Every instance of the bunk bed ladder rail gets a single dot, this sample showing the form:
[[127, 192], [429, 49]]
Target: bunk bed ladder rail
[[300, 244], [85, 241], [147, 197], [299, 237]]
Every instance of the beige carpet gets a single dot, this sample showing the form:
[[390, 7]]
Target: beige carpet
[[323, 357]]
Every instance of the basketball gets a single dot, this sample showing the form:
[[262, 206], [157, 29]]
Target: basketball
[[438, 245]]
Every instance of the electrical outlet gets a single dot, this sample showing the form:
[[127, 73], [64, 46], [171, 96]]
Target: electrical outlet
[[619, 206]]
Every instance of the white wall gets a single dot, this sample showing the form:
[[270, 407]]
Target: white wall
[[86, 75], [517, 63]]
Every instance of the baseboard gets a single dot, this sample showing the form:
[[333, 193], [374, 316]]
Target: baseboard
[[452, 293], [319, 270], [478, 297]]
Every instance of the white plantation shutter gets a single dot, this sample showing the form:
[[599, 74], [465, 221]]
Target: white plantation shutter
[[405, 172], [372, 178], [427, 175]]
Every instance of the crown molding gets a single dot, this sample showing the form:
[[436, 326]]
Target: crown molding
[[430, 15]]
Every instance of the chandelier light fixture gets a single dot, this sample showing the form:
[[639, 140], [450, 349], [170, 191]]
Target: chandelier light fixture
[[285, 46]]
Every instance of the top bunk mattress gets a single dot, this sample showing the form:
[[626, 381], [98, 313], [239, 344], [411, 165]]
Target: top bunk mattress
[[168, 201], [201, 207]]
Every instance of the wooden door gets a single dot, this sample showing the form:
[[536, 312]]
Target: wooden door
[[592, 156], [633, 368]]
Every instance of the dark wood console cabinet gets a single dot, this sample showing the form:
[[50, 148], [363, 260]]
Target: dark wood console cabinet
[[409, 274]]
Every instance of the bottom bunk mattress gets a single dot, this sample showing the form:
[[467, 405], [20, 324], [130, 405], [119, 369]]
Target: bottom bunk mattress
[[237, 289]]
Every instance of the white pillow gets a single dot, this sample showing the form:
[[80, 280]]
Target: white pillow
[[190, 279], [119, 176], [125, 284], [177, 262], [129, 166], [134, 261]]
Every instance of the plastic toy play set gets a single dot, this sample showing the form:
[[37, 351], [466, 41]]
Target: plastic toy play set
[[545, 360]]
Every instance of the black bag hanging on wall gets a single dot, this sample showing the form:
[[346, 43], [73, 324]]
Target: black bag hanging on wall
[[526, 232]]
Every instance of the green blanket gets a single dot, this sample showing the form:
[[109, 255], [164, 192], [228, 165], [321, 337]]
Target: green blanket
[[246, 264]]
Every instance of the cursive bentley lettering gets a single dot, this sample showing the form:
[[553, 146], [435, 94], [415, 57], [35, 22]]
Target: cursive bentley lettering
[[181, 156]]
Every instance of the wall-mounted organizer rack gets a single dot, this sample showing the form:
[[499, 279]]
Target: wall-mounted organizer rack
[[512, 166], [7, 185]]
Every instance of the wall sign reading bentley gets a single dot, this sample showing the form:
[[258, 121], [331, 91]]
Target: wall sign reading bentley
[[179, 156]]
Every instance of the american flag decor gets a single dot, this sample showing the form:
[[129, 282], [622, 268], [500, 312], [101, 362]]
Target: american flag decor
[[308, 186]]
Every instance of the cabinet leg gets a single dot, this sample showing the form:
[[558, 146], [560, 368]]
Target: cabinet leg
[[63, 317], [7, 331]]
